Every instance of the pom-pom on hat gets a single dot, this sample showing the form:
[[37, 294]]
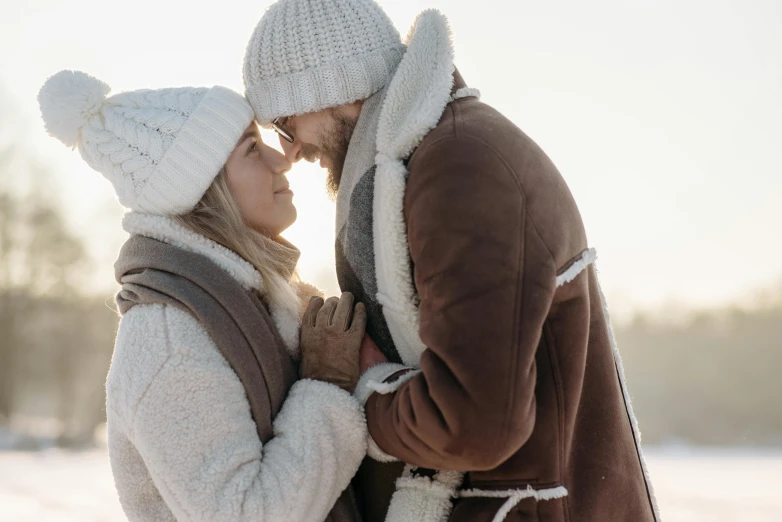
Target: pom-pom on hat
[[160, 149]]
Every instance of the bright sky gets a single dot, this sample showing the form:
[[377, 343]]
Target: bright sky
[[664, 116]]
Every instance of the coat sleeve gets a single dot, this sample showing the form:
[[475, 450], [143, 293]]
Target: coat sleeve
[[485, 284], [193, 429]]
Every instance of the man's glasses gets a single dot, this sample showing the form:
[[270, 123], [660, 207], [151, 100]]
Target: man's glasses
[[277, 125]]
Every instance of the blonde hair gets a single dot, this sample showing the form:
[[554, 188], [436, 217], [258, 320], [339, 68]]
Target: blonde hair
[[217, 217]]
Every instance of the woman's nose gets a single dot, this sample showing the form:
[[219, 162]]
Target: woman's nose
[[280, 162], [292, 150]]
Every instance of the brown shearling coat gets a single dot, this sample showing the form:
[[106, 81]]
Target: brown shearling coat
[[520, 383]]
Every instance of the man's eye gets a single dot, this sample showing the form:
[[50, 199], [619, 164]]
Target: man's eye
[[253, 147]]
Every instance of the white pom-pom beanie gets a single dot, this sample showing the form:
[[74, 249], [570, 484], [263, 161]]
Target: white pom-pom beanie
[[161, 149], [309, 55]]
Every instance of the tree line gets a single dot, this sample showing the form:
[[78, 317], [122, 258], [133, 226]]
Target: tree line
[[709, 379], [56, 340]]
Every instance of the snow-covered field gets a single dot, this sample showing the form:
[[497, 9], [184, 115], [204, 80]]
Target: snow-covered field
[[692, 485]]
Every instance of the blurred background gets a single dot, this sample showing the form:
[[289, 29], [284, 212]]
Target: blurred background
[[664, 116]]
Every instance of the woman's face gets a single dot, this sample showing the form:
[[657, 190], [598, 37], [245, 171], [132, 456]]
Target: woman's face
[[255, 174]]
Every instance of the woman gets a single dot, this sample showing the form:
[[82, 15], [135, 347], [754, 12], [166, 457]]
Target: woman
[[205, 419]]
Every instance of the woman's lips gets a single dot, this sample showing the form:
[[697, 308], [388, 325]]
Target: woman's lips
[[286, 190]]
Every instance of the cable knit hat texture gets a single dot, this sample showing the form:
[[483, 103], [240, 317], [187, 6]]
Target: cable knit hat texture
[[161, 149], [309, 55]]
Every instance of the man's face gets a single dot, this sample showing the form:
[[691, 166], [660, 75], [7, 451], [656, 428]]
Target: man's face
[[322, 136]]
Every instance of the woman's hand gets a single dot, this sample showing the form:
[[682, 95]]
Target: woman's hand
[[331, 335]]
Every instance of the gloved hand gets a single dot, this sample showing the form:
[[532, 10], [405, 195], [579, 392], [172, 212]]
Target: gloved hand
[[331, 335]]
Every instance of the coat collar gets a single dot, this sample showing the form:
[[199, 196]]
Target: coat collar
[[165, 229], [423, 85], [420, 88]]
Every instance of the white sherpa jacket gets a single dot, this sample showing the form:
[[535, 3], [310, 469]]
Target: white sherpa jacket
[[167, 378]]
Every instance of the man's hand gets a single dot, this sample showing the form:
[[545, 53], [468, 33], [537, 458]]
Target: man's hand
[[331, 334], [370, 354]]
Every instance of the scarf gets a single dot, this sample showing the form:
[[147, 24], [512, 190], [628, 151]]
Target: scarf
[[237, 321], [354, 249]]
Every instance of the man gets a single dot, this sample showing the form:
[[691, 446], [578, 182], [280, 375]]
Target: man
[[468, 249]]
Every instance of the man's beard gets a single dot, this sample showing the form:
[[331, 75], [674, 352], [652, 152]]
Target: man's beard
[[334, 144]]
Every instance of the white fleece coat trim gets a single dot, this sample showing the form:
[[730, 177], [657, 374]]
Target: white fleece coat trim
[[165, 229], [587, 258], [628, 405], [416, 99], [528, 492], [420, 499], [372, 381], [514, 497], [376, 376], [423, 499], [183, 445], [288, 323], [466, 92], [384, 388]]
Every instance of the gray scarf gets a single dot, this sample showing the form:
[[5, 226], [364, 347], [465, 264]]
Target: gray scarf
[[354, 249]]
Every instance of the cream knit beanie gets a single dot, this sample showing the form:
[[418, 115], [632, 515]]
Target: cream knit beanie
[[161, 149], [309, 55]]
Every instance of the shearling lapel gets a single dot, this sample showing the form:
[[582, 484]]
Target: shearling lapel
[[416, 99]]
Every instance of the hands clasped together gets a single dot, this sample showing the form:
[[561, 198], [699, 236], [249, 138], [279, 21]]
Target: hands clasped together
[[331, 335], [334, 345]]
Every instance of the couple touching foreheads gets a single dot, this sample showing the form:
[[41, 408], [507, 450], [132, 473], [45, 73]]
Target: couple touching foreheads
[[467, 373]]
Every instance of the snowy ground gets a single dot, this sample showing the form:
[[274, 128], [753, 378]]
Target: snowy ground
[[692, 485]]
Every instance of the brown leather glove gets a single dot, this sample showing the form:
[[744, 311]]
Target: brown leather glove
[[331, 335]]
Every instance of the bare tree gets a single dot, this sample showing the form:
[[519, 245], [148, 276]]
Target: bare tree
[[7, 337]]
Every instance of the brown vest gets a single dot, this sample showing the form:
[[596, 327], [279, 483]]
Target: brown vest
[[237, 321]]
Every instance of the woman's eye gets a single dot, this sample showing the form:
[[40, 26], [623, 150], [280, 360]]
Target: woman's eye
[[253, 147]]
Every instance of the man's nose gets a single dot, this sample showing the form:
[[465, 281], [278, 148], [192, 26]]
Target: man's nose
[[292, 150]]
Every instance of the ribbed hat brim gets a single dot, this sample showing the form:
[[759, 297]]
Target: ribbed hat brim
[[329, 86], [197, 155]]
